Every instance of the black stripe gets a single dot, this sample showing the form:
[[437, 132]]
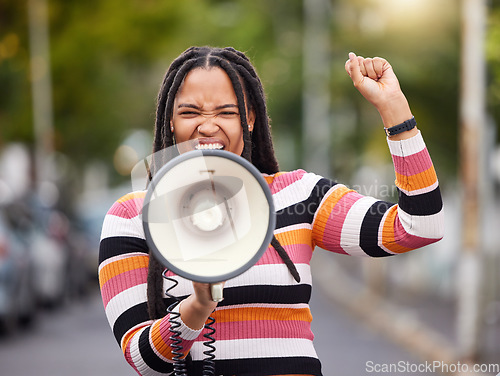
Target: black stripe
[[424, 204], [148, 355], [368, 238], [116, 245], [303, 212], [270, 294], [131, 317], [263, 366]]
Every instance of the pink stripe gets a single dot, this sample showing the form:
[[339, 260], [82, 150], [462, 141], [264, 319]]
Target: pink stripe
[[286, 179], [122, 282], [412, 164], [128, 209], [166, 335], [261, 329], [336, 219], [407, 240], [299, 253]]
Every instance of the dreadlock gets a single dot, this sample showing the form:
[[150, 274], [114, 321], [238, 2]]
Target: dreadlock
[[258, 146]]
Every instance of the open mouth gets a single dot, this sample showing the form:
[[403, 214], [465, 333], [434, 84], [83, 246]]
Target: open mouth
[[209, 146]]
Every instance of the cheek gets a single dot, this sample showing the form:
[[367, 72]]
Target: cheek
[[236, 138], [183, 130]]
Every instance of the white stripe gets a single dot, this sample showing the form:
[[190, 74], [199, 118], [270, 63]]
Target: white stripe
[[295, 192], [407, 147], [271, 274], [351, 229], [428, 226], [125, 300], [420, 191], [118, 226], [299, 226], [257, 348]]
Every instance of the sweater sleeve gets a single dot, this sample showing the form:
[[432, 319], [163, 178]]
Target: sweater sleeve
[[350, 223], [123, 270]]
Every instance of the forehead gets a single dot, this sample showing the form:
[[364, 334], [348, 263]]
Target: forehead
[[207, 83]]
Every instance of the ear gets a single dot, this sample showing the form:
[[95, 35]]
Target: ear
[[250, 119], [171, 126]]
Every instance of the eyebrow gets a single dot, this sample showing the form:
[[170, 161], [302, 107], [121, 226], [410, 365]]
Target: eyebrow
[[188, 105]]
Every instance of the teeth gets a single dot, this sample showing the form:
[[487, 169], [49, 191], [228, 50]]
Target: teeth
[[209, 146]]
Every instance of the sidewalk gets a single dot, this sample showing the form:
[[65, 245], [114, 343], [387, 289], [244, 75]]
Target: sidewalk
[[346, 346], [421, 331]]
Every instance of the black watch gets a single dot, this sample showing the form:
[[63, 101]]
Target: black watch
[[404, 126]]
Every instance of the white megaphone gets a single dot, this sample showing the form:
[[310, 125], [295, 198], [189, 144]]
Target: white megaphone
[[208, 216]]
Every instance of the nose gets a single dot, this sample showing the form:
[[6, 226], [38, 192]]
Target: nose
[[208, 128]]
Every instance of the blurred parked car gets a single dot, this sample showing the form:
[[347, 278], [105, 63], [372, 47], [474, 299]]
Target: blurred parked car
[[17, 294], [40, 230], [90, 215]]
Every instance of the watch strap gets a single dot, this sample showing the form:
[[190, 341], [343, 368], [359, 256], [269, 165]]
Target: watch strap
[[404, 126]]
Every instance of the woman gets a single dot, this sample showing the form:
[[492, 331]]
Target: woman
[[263, 325]]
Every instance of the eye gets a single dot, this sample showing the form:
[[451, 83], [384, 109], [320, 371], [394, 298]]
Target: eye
[[228, 114], [188, 114]]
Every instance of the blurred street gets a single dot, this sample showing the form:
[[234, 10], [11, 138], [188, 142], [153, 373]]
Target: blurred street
[[71, 340], [76, 340]]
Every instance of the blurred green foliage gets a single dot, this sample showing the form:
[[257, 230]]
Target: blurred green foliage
[[107, 59]]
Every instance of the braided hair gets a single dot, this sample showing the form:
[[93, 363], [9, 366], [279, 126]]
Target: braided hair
[[258, 146]]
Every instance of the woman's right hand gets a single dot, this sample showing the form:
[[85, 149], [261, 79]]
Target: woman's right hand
[[196, 308], [203, 292]]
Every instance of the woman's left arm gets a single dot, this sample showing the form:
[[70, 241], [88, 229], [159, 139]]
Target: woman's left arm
[[348, 222]]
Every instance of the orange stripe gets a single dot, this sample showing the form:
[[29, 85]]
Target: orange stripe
[[263, 313], [324, 213], [120, 266], [388, 239], [156, 338], [127, 337], [160, 345], [131, 196], [299, 236], [270, 178], [421, 180]]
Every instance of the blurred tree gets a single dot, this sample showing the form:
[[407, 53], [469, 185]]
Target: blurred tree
[[108, 58], [493, 59], [421, 41], [15, 100]]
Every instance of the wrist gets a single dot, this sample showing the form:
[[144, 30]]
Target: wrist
[[194, 313], [402, 131], [395, 111]]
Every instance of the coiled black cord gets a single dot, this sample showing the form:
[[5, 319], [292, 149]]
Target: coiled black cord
[[208, 362], [178, 358]]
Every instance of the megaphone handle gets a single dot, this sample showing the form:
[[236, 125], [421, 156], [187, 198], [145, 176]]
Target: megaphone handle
[[216, 291]]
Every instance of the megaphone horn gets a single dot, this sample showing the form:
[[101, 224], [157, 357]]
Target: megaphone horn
[[208, 216]]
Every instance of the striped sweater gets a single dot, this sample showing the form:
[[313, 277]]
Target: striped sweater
[[263, 326]]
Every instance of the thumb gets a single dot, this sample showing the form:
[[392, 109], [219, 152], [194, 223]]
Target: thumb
[[353, 69]]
